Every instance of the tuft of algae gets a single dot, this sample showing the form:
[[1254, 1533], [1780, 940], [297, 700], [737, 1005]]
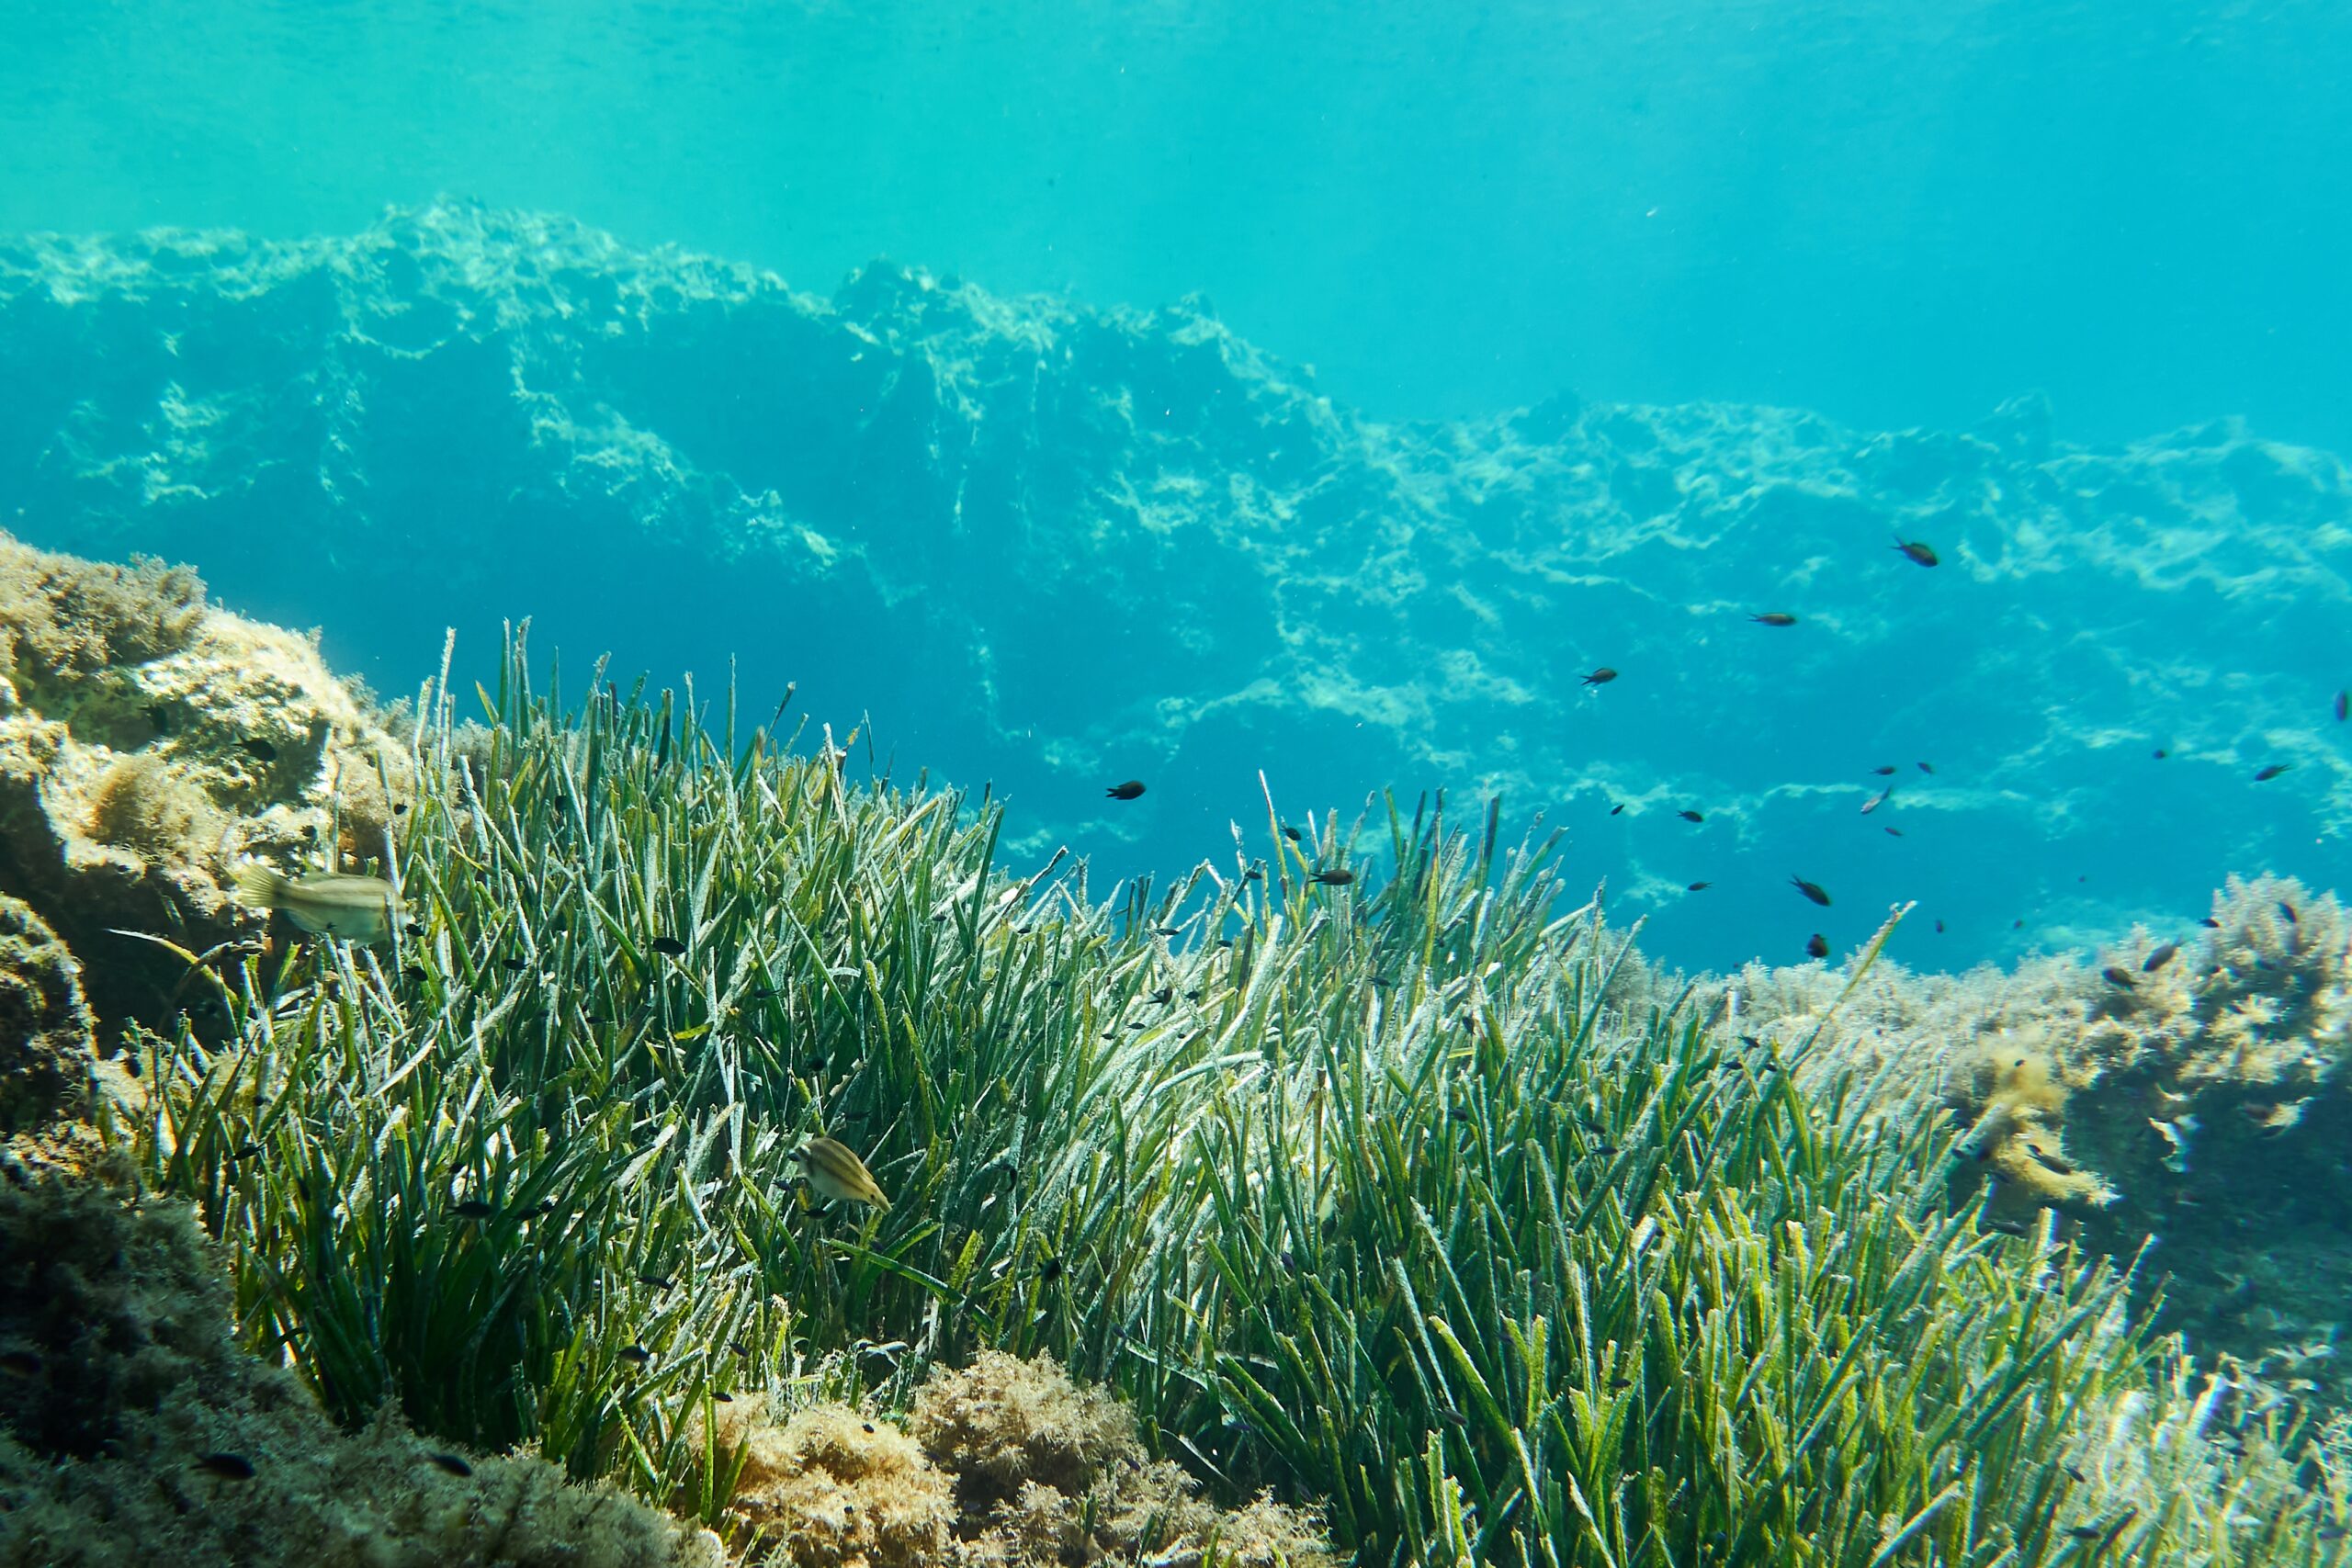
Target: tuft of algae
[[1004, 1462]]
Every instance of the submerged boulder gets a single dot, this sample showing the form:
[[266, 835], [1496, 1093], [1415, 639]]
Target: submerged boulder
[[147, 741]]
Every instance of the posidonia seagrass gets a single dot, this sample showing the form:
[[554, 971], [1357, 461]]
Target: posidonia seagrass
[[1385, 1203]]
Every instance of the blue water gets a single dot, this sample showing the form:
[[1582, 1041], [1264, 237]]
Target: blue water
[[1746, 241], [1894, 213]]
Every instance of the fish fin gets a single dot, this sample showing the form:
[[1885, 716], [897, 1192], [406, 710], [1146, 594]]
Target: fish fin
[[262, 886]]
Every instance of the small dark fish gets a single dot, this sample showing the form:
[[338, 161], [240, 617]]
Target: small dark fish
[[1886, 772], [1751, 1042], [1698, 886], [2272, 771], [1915, 551], [1140, 1023], [413, 927], [1617, 810], [451, 1463], [668, 946], [1690, 816], [1600, 677], [2048, 1159], [1817, 946], [1127, 791], [635, 1355], [1255, 874], [414, 973], [1926, 767], [228, 1467], [1293, 834], [2159, 753], [1774, 618], [513, 963], [2017, 925], [1335, 878], [2159, 958], [658, 1281], [2210, 921], [1383, 983], [1170, 930], [19, 1363], [1194, 996], [2287, 910], [2115, 977], [1809, 889], [1050, 1271], [1894, 832], [2343, 705], [261, 750], [1939, 927], [595, 1019], [473, 1209], [1165, 995], [2077, 1475], [722, 1398], [2086, 1532], [770, 993], [1619, 1385], [400, 808], [1604, 1148]]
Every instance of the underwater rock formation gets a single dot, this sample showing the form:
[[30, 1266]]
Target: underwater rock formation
[[46, 1029], [2189, 1088], [897, 497], [147, 740], [134, 1430]]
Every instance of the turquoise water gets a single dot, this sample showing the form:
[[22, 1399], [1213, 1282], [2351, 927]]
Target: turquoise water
[[1895, 214], [1315, 389]]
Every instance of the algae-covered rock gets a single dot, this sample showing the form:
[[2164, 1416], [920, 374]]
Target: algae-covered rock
[[45, 1026], [147, 741], [1004, 1463], [134, 1430], [2190, 1089]]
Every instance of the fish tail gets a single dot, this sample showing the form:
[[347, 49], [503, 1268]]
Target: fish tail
[[262, 886]]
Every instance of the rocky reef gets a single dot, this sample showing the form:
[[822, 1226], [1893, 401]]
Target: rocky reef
[[2182, 1097], [894, 496], [147, 740]]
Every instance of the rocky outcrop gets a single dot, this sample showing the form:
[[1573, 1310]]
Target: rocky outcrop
[[2186, 1090], [133, 1429], [1055, 547], [147, 741]]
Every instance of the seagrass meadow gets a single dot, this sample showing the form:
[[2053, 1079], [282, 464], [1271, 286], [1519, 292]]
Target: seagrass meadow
[[1386, 1196]]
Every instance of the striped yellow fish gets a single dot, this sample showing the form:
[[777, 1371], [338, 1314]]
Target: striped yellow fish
[[839, 1174], [326, 903]]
